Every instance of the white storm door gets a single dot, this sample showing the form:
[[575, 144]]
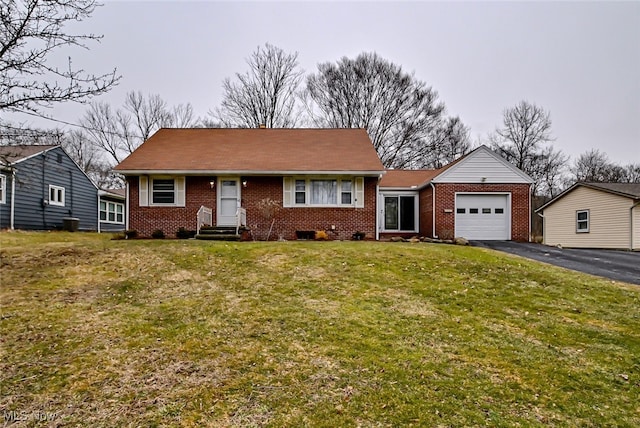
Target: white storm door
[[228, 201]]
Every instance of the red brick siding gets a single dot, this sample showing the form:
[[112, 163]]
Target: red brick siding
[[145, 220], [445, 199], [425, 201], [198, 192]]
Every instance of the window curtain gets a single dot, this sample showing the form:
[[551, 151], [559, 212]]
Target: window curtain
[[324, 192]]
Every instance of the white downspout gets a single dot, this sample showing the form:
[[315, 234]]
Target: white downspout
[[126, 208], [631, 223], [98, 211], [13, 198], [378, 210], [433, 211], [530, 197]]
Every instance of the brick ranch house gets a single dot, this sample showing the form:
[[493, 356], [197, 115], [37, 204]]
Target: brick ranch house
[[318, 180]]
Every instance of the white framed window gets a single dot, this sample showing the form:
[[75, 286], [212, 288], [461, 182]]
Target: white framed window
[[582, 221], [56, 195], [3, 189], [318, 192], [111, 212], [161, 191]]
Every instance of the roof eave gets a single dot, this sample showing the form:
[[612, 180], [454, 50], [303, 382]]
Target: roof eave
[[366, 173]]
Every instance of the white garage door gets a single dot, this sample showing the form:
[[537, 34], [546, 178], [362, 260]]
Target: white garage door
[[483, 216]]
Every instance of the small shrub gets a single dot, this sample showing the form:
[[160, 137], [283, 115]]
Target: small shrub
[[118, 236], [130, 234], [321, 235], [183, 233], [157, 234], [358, 236]]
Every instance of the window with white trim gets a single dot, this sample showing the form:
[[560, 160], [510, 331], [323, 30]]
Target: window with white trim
[[3, 189], [161, 191], [56, 195], [582, 221], [323, 192], [111, 212]]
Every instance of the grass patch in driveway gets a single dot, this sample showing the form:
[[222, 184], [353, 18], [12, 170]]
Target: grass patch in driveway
[[189, 333]]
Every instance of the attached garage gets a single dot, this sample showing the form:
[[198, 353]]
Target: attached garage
[[479, 196], [483, 216]]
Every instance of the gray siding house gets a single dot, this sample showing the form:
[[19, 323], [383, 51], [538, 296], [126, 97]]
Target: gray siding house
[[41, 186]]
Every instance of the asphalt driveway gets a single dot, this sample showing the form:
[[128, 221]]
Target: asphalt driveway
[[617, 265]]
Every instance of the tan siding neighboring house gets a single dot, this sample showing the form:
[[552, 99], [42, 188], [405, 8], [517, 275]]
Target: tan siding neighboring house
[[607, 224]]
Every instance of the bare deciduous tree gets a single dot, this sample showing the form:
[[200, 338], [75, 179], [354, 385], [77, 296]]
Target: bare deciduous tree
[[119, 132], [595, 166], [90, 159], [265, 95], [523, 140], [401, 114], [32, 31]]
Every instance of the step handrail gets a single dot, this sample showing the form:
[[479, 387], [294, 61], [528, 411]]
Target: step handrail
[[241, 218], [205, 217]]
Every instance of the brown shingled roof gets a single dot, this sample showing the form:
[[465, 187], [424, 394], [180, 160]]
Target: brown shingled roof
[[207, 150], [406, 178]]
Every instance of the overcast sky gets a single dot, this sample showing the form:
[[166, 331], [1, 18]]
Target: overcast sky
[[578, 60]]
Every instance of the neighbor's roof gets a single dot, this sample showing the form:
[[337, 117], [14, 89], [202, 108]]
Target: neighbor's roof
[[629, 190], [12, 154], [268, 151], [407, 178]]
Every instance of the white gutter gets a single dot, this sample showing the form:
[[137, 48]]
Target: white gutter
[[433, 211], [368, 173], [13, 198]]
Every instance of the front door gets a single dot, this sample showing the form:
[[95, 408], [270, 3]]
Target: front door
[[228, 201]]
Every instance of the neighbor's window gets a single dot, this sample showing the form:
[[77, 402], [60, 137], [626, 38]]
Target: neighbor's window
[[582, 221], [499, 210], [163, 191], [3, 189], [473, 210], [56, 195], [461, 211], [111, 212]]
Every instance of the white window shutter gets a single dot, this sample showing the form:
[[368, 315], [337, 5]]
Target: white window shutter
[[143, 191], [180, 191], [359, 192], [287, 195]]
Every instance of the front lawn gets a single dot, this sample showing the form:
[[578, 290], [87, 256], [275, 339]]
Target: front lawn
[[98, 332]]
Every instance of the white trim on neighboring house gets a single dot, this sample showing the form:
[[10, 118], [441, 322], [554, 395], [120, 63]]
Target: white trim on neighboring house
[[3, 189], [57, 195]]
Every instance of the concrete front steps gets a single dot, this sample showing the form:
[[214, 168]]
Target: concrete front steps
[[220, 233]]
